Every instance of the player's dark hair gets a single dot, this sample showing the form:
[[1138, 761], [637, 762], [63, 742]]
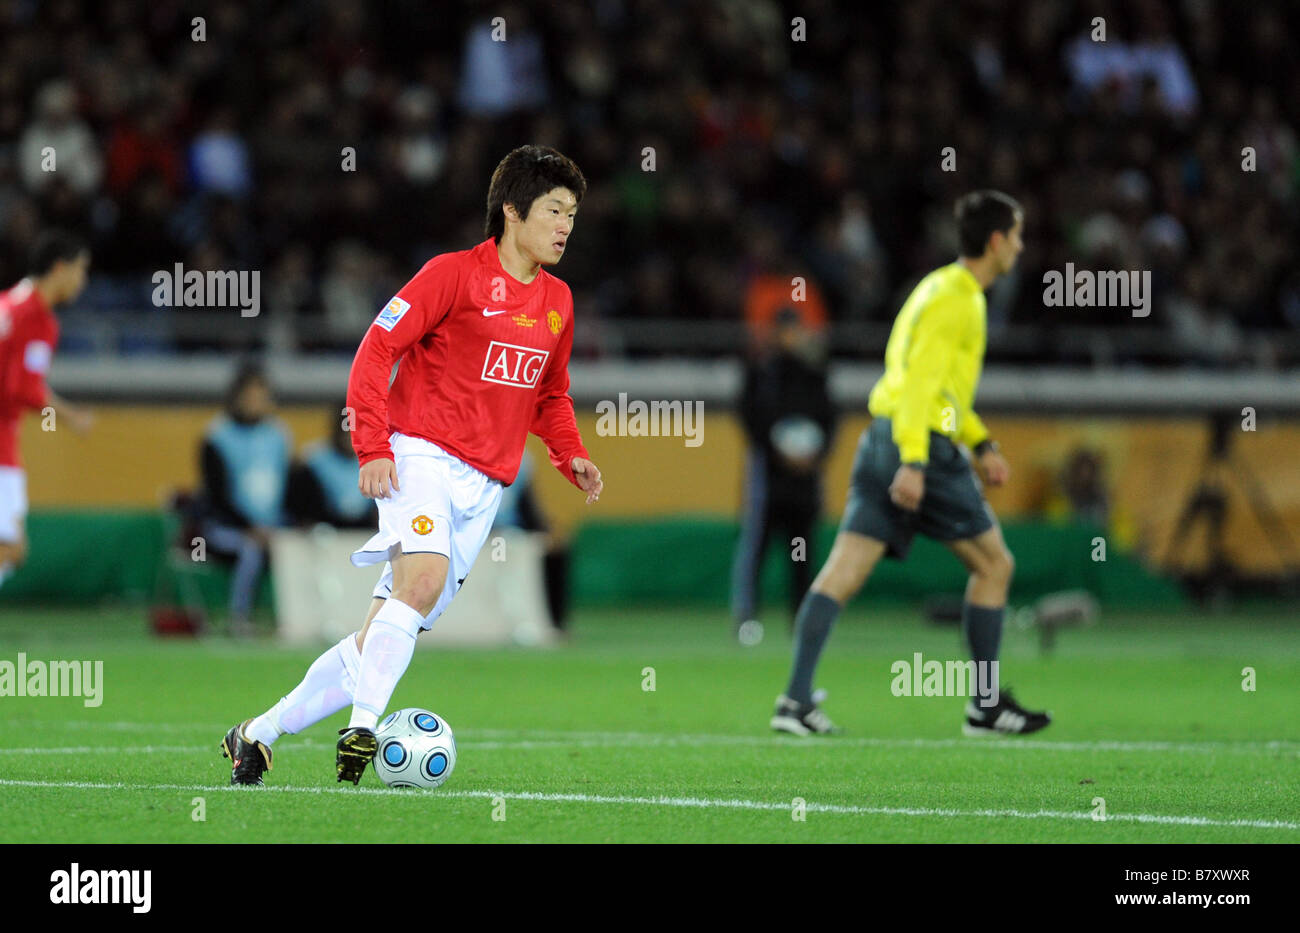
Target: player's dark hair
[[248, 372], [53, 246], [979, 214], [525, 175]]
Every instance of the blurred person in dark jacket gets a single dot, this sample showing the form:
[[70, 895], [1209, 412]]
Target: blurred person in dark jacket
[[788, 417], [323, 483], [244, 463]]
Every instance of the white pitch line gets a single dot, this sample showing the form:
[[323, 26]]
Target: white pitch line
[[105, 749], [998, 743], [554, 738], [702, 803], [122, 725], [653, 740]]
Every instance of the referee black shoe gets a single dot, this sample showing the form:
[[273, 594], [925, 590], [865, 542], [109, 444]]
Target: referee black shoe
[[356, 749], [801, 718], [251, 759], [1007, 717]]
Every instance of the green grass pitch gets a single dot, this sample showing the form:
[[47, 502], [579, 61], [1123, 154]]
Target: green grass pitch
[[567, 746]]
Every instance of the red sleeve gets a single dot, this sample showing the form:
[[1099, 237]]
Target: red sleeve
[[553, 419], [415, 310], [35, 353]]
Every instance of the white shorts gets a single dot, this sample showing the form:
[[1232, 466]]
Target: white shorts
[[444, 506], [13, 503]]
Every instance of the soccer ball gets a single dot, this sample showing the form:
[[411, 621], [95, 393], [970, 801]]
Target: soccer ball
[[416, 749]]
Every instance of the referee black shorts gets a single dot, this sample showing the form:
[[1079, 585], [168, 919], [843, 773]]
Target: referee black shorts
[[952, 509]]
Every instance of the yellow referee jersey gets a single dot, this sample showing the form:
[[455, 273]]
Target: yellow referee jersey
[[932, 364]]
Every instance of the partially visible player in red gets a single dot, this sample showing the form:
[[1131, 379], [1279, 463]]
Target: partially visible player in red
[[482, 338], [28, 335]]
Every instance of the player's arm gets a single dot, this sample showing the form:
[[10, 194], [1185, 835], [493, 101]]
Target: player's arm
[[554, 422], [29, 386], [989, 463], [931, 351], [930, 354], [79, 417], [27, 382], [972, 432], [415, 310]]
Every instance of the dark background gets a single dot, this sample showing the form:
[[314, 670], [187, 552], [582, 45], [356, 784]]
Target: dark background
[[822, 154]]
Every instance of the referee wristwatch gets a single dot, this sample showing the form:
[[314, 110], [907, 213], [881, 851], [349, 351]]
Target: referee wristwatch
[[915, 465], [985, 446]]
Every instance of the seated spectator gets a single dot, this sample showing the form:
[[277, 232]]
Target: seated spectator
[[245, 464], [323, 483]]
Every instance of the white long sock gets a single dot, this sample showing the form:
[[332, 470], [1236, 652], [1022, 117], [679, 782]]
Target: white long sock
[[390, 642], [327, 688]]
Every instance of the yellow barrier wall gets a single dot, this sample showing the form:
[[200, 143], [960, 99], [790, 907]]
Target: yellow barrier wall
[[135, 454]]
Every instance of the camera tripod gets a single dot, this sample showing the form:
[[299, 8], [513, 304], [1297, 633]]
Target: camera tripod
[[1209, 503]]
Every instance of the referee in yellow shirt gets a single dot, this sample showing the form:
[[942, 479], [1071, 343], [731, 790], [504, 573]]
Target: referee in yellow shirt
[[909, 474]]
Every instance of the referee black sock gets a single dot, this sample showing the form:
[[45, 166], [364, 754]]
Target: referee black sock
[[817, 614], [982, 626]]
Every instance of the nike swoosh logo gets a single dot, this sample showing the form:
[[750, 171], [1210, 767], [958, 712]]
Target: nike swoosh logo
[[487, 313]]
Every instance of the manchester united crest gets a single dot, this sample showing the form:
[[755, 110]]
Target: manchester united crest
[[422, 524], [554, 321]]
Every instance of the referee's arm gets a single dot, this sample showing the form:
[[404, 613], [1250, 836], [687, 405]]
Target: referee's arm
[[972, 432]]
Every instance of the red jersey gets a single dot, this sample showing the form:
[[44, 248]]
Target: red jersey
[[484, 359], [28, 335]]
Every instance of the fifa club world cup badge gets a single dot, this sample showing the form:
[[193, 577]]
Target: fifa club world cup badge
[[421, 524], [553, 321]]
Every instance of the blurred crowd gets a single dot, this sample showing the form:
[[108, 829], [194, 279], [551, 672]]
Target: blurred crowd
[[337, 144]]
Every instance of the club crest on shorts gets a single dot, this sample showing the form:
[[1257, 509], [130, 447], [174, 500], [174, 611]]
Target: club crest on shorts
[[422, 524], [554, 321]]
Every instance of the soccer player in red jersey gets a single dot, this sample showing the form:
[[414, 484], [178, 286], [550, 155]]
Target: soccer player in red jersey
[[29, 333], [483, 338]]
